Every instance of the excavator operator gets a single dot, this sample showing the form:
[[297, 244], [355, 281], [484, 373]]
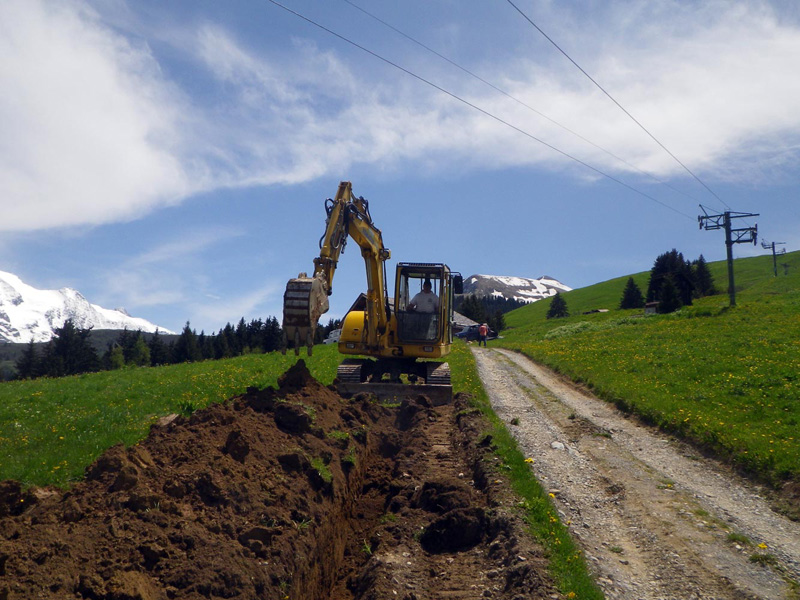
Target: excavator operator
[[425, 301]]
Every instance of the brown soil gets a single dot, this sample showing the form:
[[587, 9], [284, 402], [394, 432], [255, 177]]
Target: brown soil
[[264, 496]]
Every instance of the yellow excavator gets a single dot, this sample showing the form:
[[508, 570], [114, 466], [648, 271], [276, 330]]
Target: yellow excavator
[[397, 337]]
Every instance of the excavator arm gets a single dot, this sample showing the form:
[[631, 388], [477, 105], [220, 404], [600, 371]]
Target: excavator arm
[[306, 298]]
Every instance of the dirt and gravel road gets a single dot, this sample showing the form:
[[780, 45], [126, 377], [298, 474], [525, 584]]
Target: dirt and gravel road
[[655, 519]]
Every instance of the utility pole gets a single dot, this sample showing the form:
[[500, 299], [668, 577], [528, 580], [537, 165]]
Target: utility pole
[[732, 236], [766, 245]]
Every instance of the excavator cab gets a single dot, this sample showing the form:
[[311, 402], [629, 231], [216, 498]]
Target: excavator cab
[[423, 304]]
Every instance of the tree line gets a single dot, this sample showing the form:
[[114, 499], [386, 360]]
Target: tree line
[[674, 282], [486, 309], [71, 351]]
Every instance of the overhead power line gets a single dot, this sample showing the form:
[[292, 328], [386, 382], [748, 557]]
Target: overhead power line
[[478, 108], [514, 98], [622, 108]]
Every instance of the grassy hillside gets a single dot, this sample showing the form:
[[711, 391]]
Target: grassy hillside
[[725, 378], [51, 429]]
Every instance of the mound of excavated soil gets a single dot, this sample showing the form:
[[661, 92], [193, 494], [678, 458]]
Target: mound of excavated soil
[[289, 493]]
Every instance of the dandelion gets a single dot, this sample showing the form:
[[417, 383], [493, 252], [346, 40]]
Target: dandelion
[[529, 460], [763, 546]]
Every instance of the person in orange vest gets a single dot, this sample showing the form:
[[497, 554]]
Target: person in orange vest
[[483, 331]]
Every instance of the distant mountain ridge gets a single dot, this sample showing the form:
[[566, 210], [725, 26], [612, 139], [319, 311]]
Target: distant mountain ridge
[[29, 314], [520, 289]]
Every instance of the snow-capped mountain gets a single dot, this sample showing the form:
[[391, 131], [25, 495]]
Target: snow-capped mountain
[[520, 289], [27, 313]]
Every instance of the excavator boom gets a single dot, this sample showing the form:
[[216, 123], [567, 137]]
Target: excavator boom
[[306, 298]]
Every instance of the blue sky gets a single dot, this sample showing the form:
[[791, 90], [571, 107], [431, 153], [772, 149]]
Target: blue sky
[[173, 158]]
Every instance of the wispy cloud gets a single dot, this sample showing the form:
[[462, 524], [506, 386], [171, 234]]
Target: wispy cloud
[[95, 131], [713, 82], [170, 273], [232, 306]]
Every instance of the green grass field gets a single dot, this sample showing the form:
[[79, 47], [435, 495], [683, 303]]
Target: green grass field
[[727, 379], [51, 429]]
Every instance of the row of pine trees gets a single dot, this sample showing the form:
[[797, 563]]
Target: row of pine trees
[[487, 309], [71, 350], [674, 282]]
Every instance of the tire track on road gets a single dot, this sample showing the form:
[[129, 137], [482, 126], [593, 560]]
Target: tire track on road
[[653, 522]]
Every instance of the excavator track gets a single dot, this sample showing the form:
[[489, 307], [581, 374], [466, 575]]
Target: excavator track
[[438, 374], [437, 387], [349, 371]]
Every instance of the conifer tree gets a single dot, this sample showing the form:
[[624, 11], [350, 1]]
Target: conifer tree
[[72, 352], [273, 337], [472, 308], [187, 348], [125, 340], [140, 352], [115, 359], [671, 265], [670, 298], [50, 365], [28, 364], [241, 336], [703, 280], [159, 354], [497, 322], [233, 342], [221, 348], [558, 307], [631, 296]]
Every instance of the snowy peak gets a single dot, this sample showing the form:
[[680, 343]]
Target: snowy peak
[[29, 314], [520, 289]]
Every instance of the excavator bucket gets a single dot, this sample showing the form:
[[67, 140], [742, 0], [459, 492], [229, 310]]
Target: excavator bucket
[[304, 302]]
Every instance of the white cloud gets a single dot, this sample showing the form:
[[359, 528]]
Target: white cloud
[[714, 83], [87, 121], [95, 132], [184, 273]]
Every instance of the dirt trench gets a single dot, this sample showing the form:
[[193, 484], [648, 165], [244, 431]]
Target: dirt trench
[[656, 520], [289, 493]]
